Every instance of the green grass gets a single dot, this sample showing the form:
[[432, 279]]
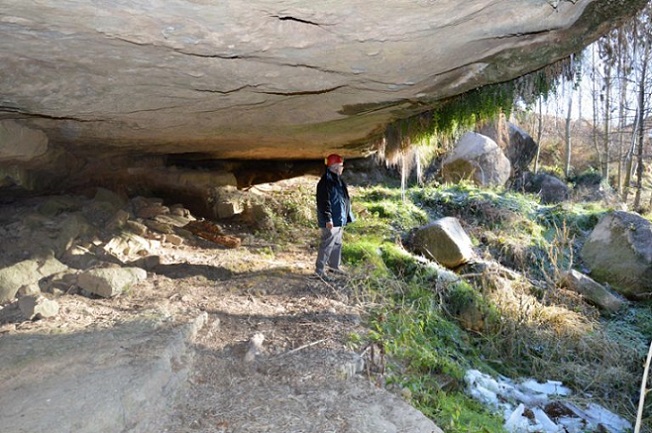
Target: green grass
[[426, 345], [531, 327], [429, 352], [458, 413], [552, 336]]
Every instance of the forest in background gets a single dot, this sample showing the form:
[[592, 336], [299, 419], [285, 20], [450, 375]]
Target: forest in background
[[599, 115]]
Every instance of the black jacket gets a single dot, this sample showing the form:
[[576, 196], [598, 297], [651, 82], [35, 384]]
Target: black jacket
[[333, 201]]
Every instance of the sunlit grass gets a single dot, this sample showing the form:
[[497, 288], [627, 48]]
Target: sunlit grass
[[512, 317]]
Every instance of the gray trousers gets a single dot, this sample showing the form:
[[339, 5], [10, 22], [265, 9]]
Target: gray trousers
[[330, 249]]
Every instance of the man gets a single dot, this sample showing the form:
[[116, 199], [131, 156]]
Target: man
[[333, 213]]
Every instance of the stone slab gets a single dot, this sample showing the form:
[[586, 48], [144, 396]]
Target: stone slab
[[101, 381]]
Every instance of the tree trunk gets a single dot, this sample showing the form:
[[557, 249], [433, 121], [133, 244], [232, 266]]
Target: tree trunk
[[594, 100], [622, 72], [567, 165], [607, 119], [641, 126], [629, 162], [621, 125], [539, 135]]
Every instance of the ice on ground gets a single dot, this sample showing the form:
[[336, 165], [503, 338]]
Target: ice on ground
[[516, 422], [529, 397], [544, 420], [551, 387], [596, 415]]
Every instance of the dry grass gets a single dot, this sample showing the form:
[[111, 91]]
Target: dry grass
[[558, 337]]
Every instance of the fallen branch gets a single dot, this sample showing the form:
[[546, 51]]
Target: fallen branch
[[302, 347]]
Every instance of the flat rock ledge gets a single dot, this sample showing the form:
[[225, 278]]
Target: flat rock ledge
[[108, 380]]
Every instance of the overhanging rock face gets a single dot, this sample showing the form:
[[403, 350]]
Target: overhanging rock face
[[258, 79]]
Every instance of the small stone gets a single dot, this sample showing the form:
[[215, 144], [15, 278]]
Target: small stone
[[118, 220], [158, 226], [172, 220], [255, 347], [180, 210], [37, 307], [152, 211], [106, 195], [32, 289], [108, 282], [136, 228], [174, 239]]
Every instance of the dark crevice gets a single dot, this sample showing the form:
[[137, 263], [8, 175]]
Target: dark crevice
[[247, 172], [9, 109], [305, 92], [43, 116], [298, 20], [222, 92], [521, 35], [180, 51]]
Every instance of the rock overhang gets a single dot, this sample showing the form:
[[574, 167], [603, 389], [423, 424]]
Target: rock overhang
[[262, 79]]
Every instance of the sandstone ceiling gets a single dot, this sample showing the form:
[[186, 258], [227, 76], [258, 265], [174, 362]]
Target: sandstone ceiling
[[257, 79]]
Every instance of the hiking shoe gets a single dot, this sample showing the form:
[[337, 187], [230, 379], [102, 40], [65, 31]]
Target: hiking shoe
[[337, 271]]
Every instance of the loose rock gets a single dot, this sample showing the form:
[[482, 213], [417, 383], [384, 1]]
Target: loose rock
[[38, 307], [109, 282]]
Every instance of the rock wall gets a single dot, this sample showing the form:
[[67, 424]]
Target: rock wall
[[261, 79]]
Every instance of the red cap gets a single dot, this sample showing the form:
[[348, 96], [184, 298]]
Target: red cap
[[334, 159]]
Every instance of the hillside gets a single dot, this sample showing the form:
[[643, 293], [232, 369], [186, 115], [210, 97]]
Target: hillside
[[275, 350]]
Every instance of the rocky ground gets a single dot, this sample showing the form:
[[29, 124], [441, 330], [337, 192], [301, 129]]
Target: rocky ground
[[212, 339]]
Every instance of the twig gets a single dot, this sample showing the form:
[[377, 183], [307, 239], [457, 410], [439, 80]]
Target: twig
[[302, 347], [332, 287], [639, 415]]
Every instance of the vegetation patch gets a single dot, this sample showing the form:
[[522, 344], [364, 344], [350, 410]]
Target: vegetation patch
[[511, 317], [529, 325]]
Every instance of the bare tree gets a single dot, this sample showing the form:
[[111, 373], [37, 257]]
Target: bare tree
[[607, 118], [640, 130], [567, 130], [642, 35], [623, 55], [629, 163], [595, 77], [539, 135], [573, 80], [611, 55]]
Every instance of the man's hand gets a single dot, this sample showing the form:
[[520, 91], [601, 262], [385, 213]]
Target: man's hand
[[329, 225]]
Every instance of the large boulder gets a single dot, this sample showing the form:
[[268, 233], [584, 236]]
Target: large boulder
[[444, 241], [519, 147], [590, 186], [478, 158], [619, 252], [113, 379], [548, 187]]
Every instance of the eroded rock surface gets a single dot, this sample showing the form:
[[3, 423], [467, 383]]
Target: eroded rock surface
[[118, 379], [94, 87]]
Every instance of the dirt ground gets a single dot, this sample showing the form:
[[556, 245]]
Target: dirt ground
[[275, 353]]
